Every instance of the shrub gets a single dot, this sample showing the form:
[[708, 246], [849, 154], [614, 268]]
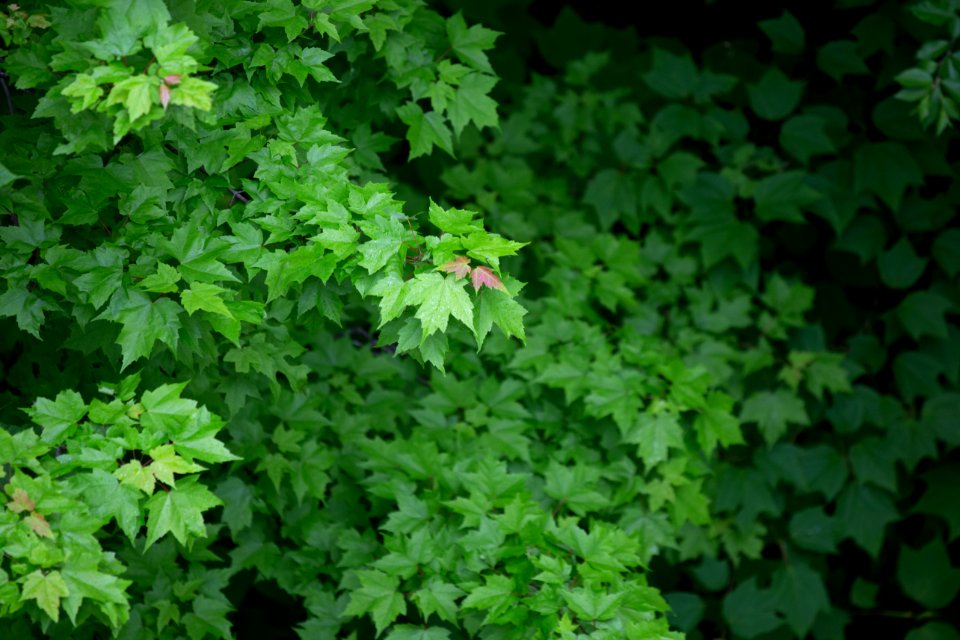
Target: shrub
[[253, 258]]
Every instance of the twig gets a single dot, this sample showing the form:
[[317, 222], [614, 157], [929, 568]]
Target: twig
[[238, 195], [6, 91]]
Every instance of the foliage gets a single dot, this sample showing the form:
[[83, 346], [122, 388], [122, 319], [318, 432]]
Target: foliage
[[934, 84], [798, 251], [727, 394]]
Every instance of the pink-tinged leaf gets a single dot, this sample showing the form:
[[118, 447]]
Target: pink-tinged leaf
[[460, 267], [172, 80], [164, 95], [484, 277], [21, 502], [39, 524]]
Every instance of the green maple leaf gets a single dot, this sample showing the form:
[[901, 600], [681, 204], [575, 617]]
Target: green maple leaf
[[494, 597], [193, 92], [939, 498], [826, 373], [165, 412], [145, 322], [715, 424], [238, 500], [497, 307], [203, 445], [800, 594], [198, 254], [206, 297], [438, 297], [209, 616], [922, 313], [864, 512], [93, 585], [102, 281], [84, 87], [774, 96], [805, 136], [452, 220], [749, 610], [671, 76], [874, 460], [772, 411], [438, 597], [472, 103], [163, 281], [165, 462], [782, 196], [386, 239], [654, 435], [785, 33], [813, 529], [593, 605], [425, 130], [886, 169], [179, 511], [378, 595], [574, 487], [714, 222], [108, 499], [58, 416], [946, 250], [410, 632], [927, 574], [469, 44], [900, 267], [614, 196], [136, 93], [490, 247], [47, 589], [134, 474], [170, 43], [841, 58], [393, 293], [286, 269], [26, 306]]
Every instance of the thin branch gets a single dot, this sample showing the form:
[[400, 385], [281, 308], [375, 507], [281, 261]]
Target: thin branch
[[6, 91], [238, 195]]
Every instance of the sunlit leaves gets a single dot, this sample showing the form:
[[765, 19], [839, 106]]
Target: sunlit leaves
[[58, 416], [379, 596], [179, 511], [437, 298], [46, 589]]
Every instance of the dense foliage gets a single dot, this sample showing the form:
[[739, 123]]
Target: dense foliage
[[254, 252]]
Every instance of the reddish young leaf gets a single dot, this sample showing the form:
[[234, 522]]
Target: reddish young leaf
[[484, 277], [164, 95], [460, 267], [21, 502], [173, 79], [39, 524]]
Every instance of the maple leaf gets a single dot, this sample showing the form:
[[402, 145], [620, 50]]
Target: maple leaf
[[485, 277], [21, 502], [459, 266], [47, 590], [39, 524]]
